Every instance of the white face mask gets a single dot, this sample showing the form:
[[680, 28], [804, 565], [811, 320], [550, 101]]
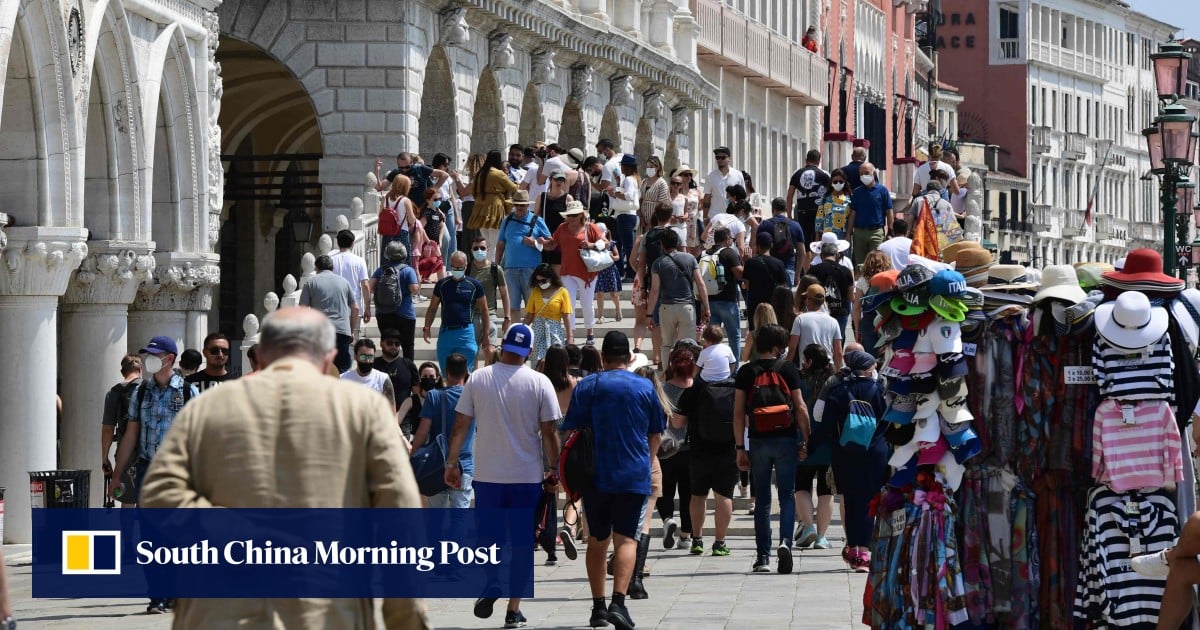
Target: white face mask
[[651, 171], [839, 185], [544, 285], [867, 180], [152, 364]]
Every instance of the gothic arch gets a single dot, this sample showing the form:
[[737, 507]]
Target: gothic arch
[[37, 181], [112, 132], [571, 133], [177, 221], [533, 122], [437, 126], [487, 127], [610, 126]]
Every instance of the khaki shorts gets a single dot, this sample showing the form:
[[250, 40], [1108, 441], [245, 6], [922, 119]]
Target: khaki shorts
[[655, 478]]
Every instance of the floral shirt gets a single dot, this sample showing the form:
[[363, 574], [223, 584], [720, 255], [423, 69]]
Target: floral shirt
[[831, 216]]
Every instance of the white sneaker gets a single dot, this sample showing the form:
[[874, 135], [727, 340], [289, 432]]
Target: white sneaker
[[670, 528], [1151, 565]]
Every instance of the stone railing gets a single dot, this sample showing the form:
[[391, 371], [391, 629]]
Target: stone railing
[[251, 323], [1075, 146], [1040, 141]]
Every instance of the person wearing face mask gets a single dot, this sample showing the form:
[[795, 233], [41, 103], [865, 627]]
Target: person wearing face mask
[[655, 190], [364, 371], [519, 249], [154, 404], [870, 218], [571, 237], [495, 289], [549, 312], [457, 296], [433, 221], [834, 209], [437, 417], [429, 379]]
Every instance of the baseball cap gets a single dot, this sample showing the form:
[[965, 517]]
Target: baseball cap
[[924, 362], [906, 341], [885, 280], [913, 276], [945, 336], [932, 454], [901, 363], [948, 282], [764, 239], [616, 344], [897, 434], [161, 345], [957, 434], [954, 410], [815, 291], [918, 322], [952, 387], [518, 339], [558, 174], [900, 385], [952, 365], [909, 304], [902, 410], [923, 383], [949, 308], [927, 405]]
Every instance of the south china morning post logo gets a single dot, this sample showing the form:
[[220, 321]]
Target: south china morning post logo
[[91, 552]]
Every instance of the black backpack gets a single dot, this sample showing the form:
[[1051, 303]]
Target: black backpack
[[390, 291], [124, 392], [654, 249], [714, 415], [834, 299], [783, 248]]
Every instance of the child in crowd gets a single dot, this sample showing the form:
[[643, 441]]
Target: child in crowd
[[716, 360], [608, 283]]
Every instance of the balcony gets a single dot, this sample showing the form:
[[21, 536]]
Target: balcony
[[1075, 146], [1104, 227], [1040, 217], [749, 48], [1065, 59], [1010, 49], [1149, 233], [1040, 141], [1072, 223]]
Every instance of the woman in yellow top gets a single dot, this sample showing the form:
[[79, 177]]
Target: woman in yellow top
[[548, 311], [493, 196]]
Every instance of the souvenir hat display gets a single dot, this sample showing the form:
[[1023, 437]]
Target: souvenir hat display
[[1008, 389]]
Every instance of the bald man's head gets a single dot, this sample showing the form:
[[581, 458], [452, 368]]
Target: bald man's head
[[458, 261], [297, 331], [852, 346]]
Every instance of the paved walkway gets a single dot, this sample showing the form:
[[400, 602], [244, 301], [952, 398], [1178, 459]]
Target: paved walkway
[[685, 592]]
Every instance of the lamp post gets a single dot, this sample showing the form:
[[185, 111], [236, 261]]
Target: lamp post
[[1171, 145]]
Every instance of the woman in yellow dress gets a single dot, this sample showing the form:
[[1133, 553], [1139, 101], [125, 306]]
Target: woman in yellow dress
[[493, 197]]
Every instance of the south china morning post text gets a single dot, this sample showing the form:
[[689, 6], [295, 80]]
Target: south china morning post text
[[432, 553]]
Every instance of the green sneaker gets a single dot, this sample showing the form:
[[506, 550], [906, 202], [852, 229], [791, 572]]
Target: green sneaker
[[720, 549], [697, 547]]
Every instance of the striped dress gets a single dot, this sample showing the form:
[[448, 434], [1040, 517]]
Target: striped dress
[[1146, 374]]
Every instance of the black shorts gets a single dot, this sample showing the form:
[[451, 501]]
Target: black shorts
[[608, 512], [714, 471], [804, 480]]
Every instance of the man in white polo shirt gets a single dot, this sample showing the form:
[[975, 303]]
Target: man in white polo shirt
[[718, 180]]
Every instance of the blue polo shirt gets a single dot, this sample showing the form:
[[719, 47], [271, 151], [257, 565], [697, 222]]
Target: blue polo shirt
[[623, 411], [851, 172], [458, 298], [797, 236], [518, 255], [439, 408], [870, 206]]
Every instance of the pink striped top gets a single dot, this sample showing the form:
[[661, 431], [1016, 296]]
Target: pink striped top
[[1144, 454]]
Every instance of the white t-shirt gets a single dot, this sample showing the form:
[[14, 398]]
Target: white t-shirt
[[921, 176], [727, 221], [629, 185], [897, 249], [816, 327], [531, 177], [716, 183], [714, 362], [509, 403], [611, 172], [353, 268], [374, 379]]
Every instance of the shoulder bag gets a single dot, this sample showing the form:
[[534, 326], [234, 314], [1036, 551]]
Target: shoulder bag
[[595, 260], [577, 459], [429, 461]]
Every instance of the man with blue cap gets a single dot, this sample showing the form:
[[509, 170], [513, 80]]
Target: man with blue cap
[[154, 403]]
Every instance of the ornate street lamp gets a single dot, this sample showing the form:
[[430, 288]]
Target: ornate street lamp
[[1172, 147], [1185, 195], [1170, 69], [302, 226]]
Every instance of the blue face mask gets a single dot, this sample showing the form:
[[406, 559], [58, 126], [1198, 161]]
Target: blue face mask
[[480, 254], [458, 273]]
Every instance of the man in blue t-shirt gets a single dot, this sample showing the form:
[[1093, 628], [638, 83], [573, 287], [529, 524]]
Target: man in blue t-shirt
[[400, 315], [788, 254], [870, 216], [437, 418], [518, 250], [627, 422], [457, 295]]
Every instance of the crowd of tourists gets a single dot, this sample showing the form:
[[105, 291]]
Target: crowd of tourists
[[737, 371]]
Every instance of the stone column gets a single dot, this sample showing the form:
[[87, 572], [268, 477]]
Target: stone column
[[176, 302], [628, 17], [95, 322], [37, 265], [595, 9], [659, 31], [687, 31]]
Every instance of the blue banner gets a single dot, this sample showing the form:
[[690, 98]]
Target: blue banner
[[430, 553]]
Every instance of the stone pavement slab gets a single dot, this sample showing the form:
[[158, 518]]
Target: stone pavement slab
[[686, 592]]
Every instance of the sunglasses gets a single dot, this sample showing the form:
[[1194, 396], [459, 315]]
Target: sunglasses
[[215, 351], [676, 183], [722, 157], [366, 357], [458, 269], [479, 249]]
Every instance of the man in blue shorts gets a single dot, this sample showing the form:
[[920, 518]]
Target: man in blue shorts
[[459, 296]]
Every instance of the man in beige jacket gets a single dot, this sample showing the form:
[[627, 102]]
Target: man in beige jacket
[[343, 449]]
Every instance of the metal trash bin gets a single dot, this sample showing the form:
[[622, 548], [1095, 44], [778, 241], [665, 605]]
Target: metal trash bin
[[60, 488]]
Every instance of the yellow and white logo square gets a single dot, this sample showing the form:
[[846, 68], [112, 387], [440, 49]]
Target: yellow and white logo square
[[91, 553]]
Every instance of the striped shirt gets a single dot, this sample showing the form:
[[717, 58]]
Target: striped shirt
[[1143, 453], [1146, 374], [1108, 593]]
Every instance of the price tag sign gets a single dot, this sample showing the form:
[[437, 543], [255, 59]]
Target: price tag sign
[[969, 349], [1079, 375], [898, 520]]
